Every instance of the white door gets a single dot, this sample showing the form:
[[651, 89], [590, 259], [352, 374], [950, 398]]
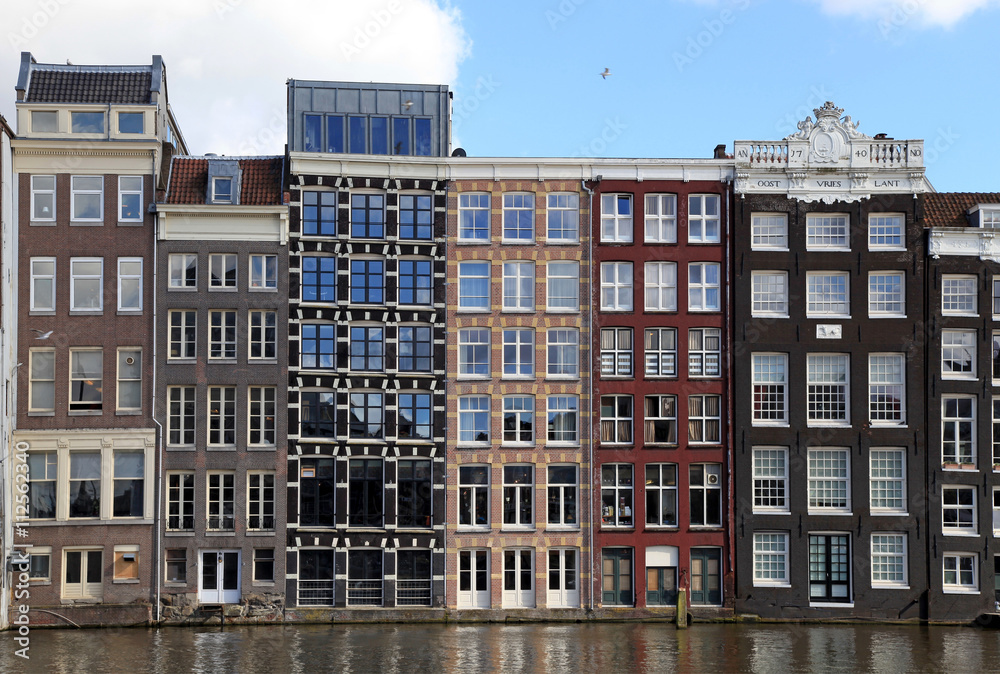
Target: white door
[[564, 578], [219, 577], [474, 578], [519, 578]]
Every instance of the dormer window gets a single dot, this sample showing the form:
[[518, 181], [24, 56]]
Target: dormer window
[[986, 216], [43, 121], [222, 190], [223, 181]]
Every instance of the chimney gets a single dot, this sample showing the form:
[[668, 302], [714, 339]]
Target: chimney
[[720, 151]]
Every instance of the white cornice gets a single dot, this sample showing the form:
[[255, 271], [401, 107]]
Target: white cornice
[[965, 242], [220, 211]]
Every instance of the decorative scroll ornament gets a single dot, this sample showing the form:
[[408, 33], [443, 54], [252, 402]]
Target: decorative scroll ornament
[[830, 135]]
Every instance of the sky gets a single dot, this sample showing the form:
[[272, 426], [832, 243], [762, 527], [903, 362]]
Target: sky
[[685, 75]]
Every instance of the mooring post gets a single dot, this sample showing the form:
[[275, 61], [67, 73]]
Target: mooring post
[[682, 610]]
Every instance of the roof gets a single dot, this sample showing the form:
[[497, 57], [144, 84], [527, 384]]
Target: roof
[[79, 86], [948, 209], [260, 183]]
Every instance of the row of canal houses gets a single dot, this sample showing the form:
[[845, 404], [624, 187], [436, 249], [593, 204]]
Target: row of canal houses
[[378, 379]]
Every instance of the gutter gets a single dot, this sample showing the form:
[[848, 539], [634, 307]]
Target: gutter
[[590, 415]]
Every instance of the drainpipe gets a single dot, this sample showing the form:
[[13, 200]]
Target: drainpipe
[[159, 433], [731, 438], [590, 317]]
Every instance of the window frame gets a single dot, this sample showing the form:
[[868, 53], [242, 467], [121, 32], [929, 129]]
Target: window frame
[[35, 381], [412, 204], [220, 500], [960, 455], [223, 333], [887, 482], [35, 295], [881, 389], [618, 483], [515, 206], [469, 420], [658, 487], [765, 292], [474, 496], [828, 483], [659, 294], [83, 192], [520, 515], [181, 424], [321, 226], [956, 524], [571, 209], [468, 272], [702, 233], [562, 497], [665, 358], [263, 338], [321, 340], [474, 346], [617, 347], [617, 288], [770, 479], [180, 501], [221, 416], [660, 212], [519, 409], [220, 279], [420, 404], [951, 353], [78, 404], [774, 557], [553, 408], [767, 389], [818, 398], [621, 223], [881, 230], [123, 382], [514, 276], [618, 414], [37, 194], [957, 586], [704, 419], [370, 425], [368, 491], [74, 277], [561, 363], [412, 341], [124, 192], [556, 275], [958, 295], [700, 359], [366, 347], [710, 490], [412, 284], [182, 337], [263, 272], [183, 276], [881, 558], [815, 306], [704, 288], [518, 353], [475, 214], [879, 296], [372, 205], [124, 278], [757, 231], [821, 226]]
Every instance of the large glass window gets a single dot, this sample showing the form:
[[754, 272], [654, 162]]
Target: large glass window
[[616, 495], [180, 501], [84, 484], [563, 217], [180, 415], [886, 389], [958, 354], [661, 286], [826, 232], [130, 284], [366, 415], [518, 420], [473, 496], [260, 501], [885, 232], [889, 560], [703, 286], [263, 334], [661, 352], [474, 352], [263, 272], [368, 216], [364, 577], [222, 270], [519, 353], [769, 293], [183, 270], [317, 491], [563, 286], [365, 493], [222, 334], [262, 415], [519, 218], [415, 417], [958, 295], [829, 480], [704, 352], [827, 389], [519, 286], [616, 352], [42, 473], [415, 348], [563, 352], [826, 294], [367, 348], [416, 216], [887, 480], [958, 510], [319, 346], [518, 495], [958, 429], [367, 281], [416, 282], [616, 218], [705, 419], [222, 415], [129, 379], [474, 286], [562, 495], [770, 558], [770, 388], [42, 380], [474, 217], [86, 290], [319, 213], [318, 410], [703, 218], [43, 284], [474, 419], [319, 279], [660, 422], [414, 493], [86, 375], [885, 294], [563, 415], [616, 419], [769, 231], [616, 286], [705, 487], [770, 479], [661, 494], [661, 218], [87, 198]]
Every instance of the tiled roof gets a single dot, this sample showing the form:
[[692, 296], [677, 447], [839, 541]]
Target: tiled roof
[[260, 183], [75, 86], [948, 209]]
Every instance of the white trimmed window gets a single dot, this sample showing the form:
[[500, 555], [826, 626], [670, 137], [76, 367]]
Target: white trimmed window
[[661, 286], [474, 420], [769, 231], [183, 270], [885, 294], [130, 199], [474, 217], [703, 218], [889, 560], [473, 496], [616, 218], [222, 270], [704, 419], [87, 196], [180, 501], [887, 480], [661, 352], [474, 286], [130, 284], [263, 272], [518, 496], [958, 429], [518, 420], [563, 217], [885, 232], [222, 333], [770, 558], [958, 295], [42, 380], [180, 415], [617, 490], [222, 415], [262, 415], [827, 390], [829, 480], [660, 420], [770, 389], [43, 284], [474, 352], [563, 418], [563, 495], [826, 294], [86, 375], [616, 419], [519, 218], [770, 479], [770, 293], [563, 289], [958, 354], [996, 358], [661, 218], [996, 434], [86, 289], [961, 573], [263, 334], [616, 286], [886, 389], [661, 494], [996, 511], [826, 232], [704, 352], [221, 504], [519, 352], [703, 286], [129, 379], [43, 198], [996, 298], [616, 352], [958, 510], [183, 327], [563, 352], [519, 286]]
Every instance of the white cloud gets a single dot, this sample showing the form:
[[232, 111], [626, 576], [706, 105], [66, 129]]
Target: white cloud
[[944, 13], [228, 60]]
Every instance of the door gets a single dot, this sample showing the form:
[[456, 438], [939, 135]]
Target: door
[[84, 575], [829, 568], [474, 578], [564, 579], [661, 586], [519, 578], [219, 577], [616, 577], [706, 579]]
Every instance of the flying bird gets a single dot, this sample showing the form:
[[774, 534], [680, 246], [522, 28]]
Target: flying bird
[[42, 335], [607, 71], [407, 105]]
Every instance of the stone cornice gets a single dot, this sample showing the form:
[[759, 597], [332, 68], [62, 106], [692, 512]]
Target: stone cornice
[[965, 242]]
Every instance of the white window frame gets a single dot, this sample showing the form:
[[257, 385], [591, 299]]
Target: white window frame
[[658, 484], [762, 226], [704, 362], [134, 278], [258, 337], [471, 341], [888, 550], [557, 404], [960, 528], [769, 382], [470, 302], [616, 227], [769, 293], [574, 345], [828, 231], [221, 416], [823, 478], [41, 193], [224, 259], [76, 191], [620, 514], [822, 380], [184, 344], [261, 397], [178, 422], [996, 511], [84, 406], [179, 264], [616, 286], [465, 205], [520, 407], [886, 478], [700, 292], [952, 293], [474, 405], [665, 359], [880, 228], [704, 419], [555, 270], [958, 420], [818, 303], [958, 587], [129, 191], [121, 380], [770, 550], [996, 297], [474, 487], [516, 489], [660, 280], [702, 222], [221, 501], [516, 273], [622, 425], [48, 382], [520, 338], [882, 381], [37, 297], [220, 340], [661, 218], [565, 205], [880, 300], [84, 589], [219, 196], [515, 204], [74, 277], [770, 479], [953, 344], [617, 348], [262, 279]]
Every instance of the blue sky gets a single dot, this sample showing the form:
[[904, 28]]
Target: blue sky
[[686, 75]]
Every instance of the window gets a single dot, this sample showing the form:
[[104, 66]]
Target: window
[[42, 474], [130, 122], [263, 334], [885, 232], [180, 501], [563, 353], [319, 346], [221, 415], [176, 565], [263, 565], [473, 496], [415, 417], [661, 286], [996, 433], [704, 352], [368, 216], [519, 286], [474, 352], [183, 270], [661, 352], [42, 381], [518, 218], [416, 282], [958, 427], [83, 570], [886, 389], [86, 290], [770, 293], [40, 564], [364, 499], [616, 218], [616, 495], [827, 389], [474, 578], [129, 470], [996, 358], [262, 427], [415, 348], [43, 198], [885, 294], [996, 510], [887, 480], [705, 491], [996, 297], [183, 332], [474, 286], [44, 121], [130, 198], [87, 198], [317, 491], [416, 216], [263, 272], [518, 420], [829, 568], [130, 284], [84, 484], [129, 379], [413, 573], [563, 218], [563, 414], [518, 353], [616, 577], [705, 419], [86, 376], [826, 232], [770, 394], [474, 419], [661, 494], [180, 415], [770, 559], [518, 496], [829, 480], [769, 231], [703, 218], [315, 586], [260, 501], [661, 218], [960, 572], [221, 503], [958, 510], [43, 284], [366, 417], [958, 354], [958, 295], [616, 352], [616, 419], [126, 564], [770, 479], [222, 334], [222, 271], [660, 423], [563, 589], [562, 495], [319, 213], [474, 217], [518, 578], [319, 279], [563, 286], [87, 122], [222, 190], [703, 286], [318, 410], [367, 348], [889, 560], [414, 492], [826, 294], [616, 286]]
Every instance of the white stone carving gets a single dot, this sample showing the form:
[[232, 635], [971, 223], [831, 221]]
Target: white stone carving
[[859, 181], [828, 331]]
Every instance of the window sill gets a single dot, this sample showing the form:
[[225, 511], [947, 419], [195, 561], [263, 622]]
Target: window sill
[[129, 312], [844, 513], [182, 361], [184, 289], [831, 604], [709, 527], [260, 534], [86, 223], [222, 361], [714, 310], [815, 424], [178, 534], [263, 361], [959, 590], [38, 582], [761, 584], [887, 513], [262, 290], [124, 581], [507, 310], [85, 413], [752, 315], [263, 583], [959, 468], [956, 313], [878, 316], [562, 378], [561, 242], [271, 448], [890, 587], [472, 242], [181, 448], [659, 312], [130, 223], [769, 249], [42, 414], [660, 528], [484, 445], [563, 445], [43, 223], [757, 511], [762, 424], [826, 317], [473, 530], [661, 445], [506, 528], [888, 425], [42, 312], [213, 289], [217, 534], [562, 312], [959, 534], [127, 413], [86, 312], [220, 448], [959, 378], [516, 242]]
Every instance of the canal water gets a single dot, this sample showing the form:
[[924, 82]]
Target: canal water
[[419, 649]]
